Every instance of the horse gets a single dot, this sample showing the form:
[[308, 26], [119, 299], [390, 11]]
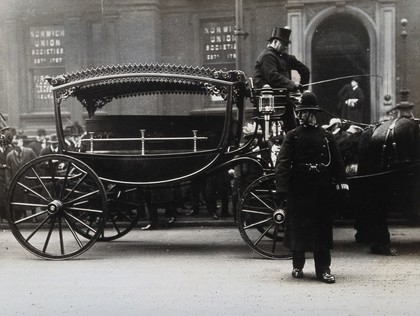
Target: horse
[[386, 155]]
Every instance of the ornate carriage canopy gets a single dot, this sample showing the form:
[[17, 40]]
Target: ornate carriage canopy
[[97, 86]]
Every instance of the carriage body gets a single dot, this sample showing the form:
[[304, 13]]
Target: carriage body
[[142, 133], [129, 141]]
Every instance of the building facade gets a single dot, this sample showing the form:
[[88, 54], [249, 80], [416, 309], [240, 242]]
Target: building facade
[[338, 38]]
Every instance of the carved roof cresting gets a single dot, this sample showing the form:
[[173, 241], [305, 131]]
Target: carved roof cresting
[[97, 86]]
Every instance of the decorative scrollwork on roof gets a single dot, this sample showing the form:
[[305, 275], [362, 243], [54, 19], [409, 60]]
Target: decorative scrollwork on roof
[[134, 80], [65, 94], [93, 104], [232, 75]]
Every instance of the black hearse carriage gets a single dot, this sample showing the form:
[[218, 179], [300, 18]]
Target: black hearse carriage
[[141, 131]]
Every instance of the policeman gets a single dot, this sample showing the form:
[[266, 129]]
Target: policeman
[[309, 169], [274, 67]]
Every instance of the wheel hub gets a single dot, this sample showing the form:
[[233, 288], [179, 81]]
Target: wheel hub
[[279, 216], [54, 207]]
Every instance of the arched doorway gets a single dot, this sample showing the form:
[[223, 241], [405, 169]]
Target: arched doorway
[[340, 47]]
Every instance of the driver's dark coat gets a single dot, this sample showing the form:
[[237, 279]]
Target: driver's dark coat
[[310, 193], [275, 69]]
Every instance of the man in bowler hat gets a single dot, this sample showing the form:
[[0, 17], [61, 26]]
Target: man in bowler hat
[[40, 141], [274, 66], [52, 147]]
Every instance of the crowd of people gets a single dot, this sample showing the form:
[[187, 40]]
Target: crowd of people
[[17, 149]]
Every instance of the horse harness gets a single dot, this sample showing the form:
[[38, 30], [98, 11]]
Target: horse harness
[[389, 140]]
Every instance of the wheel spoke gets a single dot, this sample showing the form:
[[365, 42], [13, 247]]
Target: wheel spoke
[[263, 234], [276, 230], [73, 233], [42, 183], [47, 240], [79, 221], [66, 177], [256, 212], [53, 176], [82, 197], [75, 186], [33, 192], [28, 204], [258, 223], [115, 226], [84, 209], [60, 234], [37, 228], [265, 204], [29, 217]]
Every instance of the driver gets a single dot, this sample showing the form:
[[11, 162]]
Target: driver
[[274, 66]]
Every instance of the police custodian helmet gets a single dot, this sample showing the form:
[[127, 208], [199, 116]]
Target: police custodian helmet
[[308, 102]]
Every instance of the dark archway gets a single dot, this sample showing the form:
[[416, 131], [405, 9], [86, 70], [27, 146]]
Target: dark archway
[[340, 47]]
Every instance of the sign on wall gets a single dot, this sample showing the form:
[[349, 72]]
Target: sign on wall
[[47, 45], [42, 89], [46, 58], [219, 44]]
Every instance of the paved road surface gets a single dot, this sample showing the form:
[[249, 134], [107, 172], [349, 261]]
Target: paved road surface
[[207, 271]]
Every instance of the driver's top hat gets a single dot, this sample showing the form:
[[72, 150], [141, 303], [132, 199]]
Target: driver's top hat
[[281, 33]]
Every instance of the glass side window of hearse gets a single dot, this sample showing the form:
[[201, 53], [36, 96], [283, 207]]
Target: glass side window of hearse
[[143, 125]]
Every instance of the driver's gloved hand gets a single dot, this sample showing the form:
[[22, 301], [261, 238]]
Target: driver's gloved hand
[[298, 88], [301, 88]]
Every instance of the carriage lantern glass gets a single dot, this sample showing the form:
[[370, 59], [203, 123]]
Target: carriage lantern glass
[[266, 101], [266, 107]]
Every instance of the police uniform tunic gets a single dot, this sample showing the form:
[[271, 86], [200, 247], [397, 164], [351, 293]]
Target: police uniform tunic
[[309, 168]]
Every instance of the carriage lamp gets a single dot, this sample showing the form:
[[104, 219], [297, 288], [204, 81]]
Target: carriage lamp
[[266, 107], [266, 101]]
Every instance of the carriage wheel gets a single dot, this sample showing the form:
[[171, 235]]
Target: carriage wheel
[[261, 221], [50, 200], [124, 207]]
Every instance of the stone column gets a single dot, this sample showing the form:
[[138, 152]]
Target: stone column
[[110, 39], [140, 32], [386, 55], [76, 56], [296, 23], [13, 81]]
